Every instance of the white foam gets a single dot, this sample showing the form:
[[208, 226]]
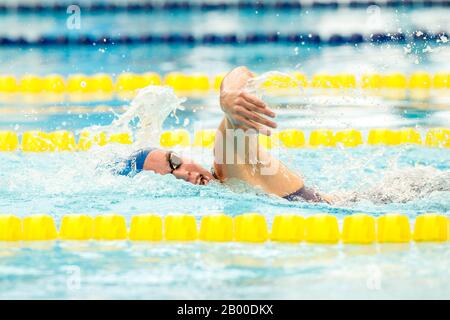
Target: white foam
[[151, 106], [401, 186], [255, 85]]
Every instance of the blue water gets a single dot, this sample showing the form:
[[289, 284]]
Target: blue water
[[405, 179], [431, 55], [64, 183]]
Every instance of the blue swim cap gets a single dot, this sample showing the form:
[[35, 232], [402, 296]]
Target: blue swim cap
[[135, 163]]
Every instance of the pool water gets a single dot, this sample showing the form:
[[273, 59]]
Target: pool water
[[374, 180], [404, 179]]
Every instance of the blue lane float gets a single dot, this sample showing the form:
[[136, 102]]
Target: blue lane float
[[148, 6], [229, 39]]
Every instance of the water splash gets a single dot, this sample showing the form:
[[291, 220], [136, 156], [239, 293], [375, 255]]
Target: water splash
[[150, 108], [401, 186], [277, 79]]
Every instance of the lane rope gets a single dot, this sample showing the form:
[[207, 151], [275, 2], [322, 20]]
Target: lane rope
[[148, 6], [39, 141], [306, 39], [251, 227], [83, 85]]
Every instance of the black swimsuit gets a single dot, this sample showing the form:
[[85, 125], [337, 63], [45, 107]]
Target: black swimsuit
[[306, 194]]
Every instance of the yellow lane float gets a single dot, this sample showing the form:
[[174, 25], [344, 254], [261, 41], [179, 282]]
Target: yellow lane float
[[203, 83], [146, 227], [55, 83], [204, 138], [349, 138], [178, 137], [9, 141], [438, 137], [109, 227], [322, 228], [250, 227], [39, 227], [76, 227], [431, 227], [180, 228], [288, 228], [8, 84], [357, 229], [292, 138], [10, 228], [217, 228], [322, 137], [393, 228], [38, 141]]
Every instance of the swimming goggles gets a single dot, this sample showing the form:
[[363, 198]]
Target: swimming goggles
[[174, 161]]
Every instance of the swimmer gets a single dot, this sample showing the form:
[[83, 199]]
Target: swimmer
[[242, 112]]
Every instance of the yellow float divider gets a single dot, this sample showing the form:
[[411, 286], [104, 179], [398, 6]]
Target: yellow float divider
[[146, 227], [62, 141], [110, 227], [217, 228], [31, 83], [393, 228], [8, 84], [393, 84], [410, 136], [292, 138], [204, 138], [172, 138], [39, 227], [249, 227], [101, 82], [438, 137], [10, 228], [359, 229], [420, 80], [121, 138], [322, 137], [55, 84], [349, 137], [322, 228], [441, 81], [431, 227], [38, 141], [288, 228], [9, 141], [76, 227], [180, 228]]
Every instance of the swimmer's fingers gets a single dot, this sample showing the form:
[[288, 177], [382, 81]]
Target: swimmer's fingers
[[246, 124], [258, 105], [257, 111], [253, 116]]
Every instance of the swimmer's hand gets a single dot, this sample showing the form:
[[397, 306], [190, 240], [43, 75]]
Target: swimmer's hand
[[244, 110]]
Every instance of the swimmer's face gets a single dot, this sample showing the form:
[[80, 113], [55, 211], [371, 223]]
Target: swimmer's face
[[189, 171]]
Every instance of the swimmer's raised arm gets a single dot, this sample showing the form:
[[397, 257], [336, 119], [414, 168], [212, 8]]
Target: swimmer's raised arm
[[245, 112], [254, 166]]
